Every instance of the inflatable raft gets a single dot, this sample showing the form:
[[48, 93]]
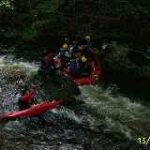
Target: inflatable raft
[[34, 110], [95, 72]]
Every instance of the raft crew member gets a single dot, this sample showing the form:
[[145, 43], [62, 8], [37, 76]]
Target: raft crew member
[[88, 42], [27, 98], [51, 64], [84, 66], [81, 48], [58, 64], [79, 66], [67, 40], [85, 47], [73, 67], [47, 65], [65, 54], [74, 49]]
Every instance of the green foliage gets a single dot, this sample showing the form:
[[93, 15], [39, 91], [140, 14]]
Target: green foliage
[[6, 4], [47, 7], [112, 20], [144, 71], [118, 59], [29, 33]]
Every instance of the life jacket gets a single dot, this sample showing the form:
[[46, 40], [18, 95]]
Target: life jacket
[[27, 97], [73, 66], [65, 53], [74, 49], [44, 62], [57, 62], [47, 60]]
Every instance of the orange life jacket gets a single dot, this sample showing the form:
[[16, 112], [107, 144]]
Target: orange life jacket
[[27, 97]]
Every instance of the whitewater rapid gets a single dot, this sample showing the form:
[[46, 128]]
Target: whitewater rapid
[[103, 109]]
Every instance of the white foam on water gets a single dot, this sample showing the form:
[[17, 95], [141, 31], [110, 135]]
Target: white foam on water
[[12, 68], [117, 111], [67, 113], [6, 61], [31, 66], [2, 61]]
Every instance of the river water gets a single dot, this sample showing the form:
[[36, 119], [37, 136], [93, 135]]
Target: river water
[[100, 119]]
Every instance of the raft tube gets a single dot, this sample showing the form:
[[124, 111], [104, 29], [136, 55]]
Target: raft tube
[[90, 79], [34, 110]]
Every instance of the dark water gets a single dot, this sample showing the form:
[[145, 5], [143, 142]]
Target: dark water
[[130, 85], [97, 119]]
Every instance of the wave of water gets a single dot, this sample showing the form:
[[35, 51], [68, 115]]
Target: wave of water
[[120, 113], [12, 71], [102, 109]]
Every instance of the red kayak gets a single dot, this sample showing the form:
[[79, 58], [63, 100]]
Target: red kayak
[[34, 110], [90, 79]]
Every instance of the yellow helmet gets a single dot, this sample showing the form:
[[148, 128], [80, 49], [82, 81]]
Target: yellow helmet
[[83, 59], [65, 46], [87, 37]]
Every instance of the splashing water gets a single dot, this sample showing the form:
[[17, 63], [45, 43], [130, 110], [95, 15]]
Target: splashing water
[[120, 113], [10, 71], [115, 113], [14, 70], [10, 67], [67, 113]]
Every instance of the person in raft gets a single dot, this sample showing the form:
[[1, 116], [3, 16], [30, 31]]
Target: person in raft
[[27, 98], [73, 67], [47, 65], [65, 54]]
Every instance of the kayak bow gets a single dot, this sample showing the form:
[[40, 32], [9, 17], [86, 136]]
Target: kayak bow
[[34, 110]]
